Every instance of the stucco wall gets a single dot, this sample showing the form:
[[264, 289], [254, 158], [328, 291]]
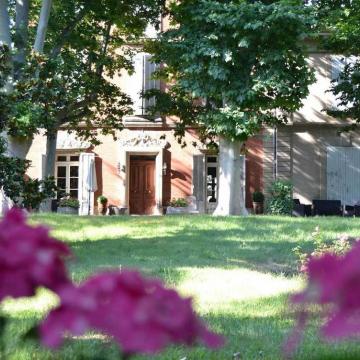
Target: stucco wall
[[302, 157], [319, 98]]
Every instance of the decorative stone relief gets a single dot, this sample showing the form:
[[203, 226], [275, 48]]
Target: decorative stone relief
[[144, 140], [66, 141]]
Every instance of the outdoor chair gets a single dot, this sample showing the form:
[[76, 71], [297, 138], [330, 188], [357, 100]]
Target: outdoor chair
[[327, 207], [357, 210], [300, 210], [349, 210]]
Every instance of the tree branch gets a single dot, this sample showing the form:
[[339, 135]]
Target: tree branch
[[100, 68], [67, 32], [21, 34], [5, 35], [42, 26]]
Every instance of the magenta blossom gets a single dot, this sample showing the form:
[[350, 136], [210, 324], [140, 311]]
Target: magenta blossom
[[29, 257], [334, 281], [140, 314]]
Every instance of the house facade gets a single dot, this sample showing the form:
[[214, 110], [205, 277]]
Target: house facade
[[146, 167]]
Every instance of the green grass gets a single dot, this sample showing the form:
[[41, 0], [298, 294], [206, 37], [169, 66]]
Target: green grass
[[238, 270]]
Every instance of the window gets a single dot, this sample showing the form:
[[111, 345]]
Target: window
[[338, 63], [140, 82], [67, 175], [211, 180]]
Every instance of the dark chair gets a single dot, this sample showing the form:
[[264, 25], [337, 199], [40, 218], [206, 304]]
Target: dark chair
[[349, 210], [301, 209], [357, 210], [327, 207], [54, 205]]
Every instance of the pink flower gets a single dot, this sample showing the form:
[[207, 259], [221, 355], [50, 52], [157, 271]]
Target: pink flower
[[29, 257], [334, 281], [140, 314]]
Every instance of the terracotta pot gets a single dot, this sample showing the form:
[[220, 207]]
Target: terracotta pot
[[258, 207], [102, 208]]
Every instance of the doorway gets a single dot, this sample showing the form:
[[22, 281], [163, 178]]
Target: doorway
[[142, 192]]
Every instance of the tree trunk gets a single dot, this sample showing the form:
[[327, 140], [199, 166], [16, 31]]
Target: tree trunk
[[21, 35], [51, 139], [42, 26], [231, 199], [5, 35], [49, 170]]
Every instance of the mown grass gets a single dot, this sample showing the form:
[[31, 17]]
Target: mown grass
[[238, 270]]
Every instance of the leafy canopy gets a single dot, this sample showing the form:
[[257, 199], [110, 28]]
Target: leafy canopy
[[245, 60], [71, 82], [341, 19]]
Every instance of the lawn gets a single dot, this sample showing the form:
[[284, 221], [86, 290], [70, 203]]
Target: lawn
[[238, 270]]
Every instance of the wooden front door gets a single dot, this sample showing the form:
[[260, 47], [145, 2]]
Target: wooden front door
[[142, 185]]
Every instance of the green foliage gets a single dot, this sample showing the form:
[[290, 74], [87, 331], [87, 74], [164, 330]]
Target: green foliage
[[258, 196], [321, 246], [72, 81], [340, 19], [69, 202], [280, 201], [245, 60], [35, 191], [22, 190], [179, 202], [102, 199], [12, 174]]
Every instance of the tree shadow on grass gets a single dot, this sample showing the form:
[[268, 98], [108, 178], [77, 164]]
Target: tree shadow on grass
[[255, 329], [211, 248]]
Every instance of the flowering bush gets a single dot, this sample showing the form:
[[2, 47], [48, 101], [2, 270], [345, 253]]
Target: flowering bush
[[29, 258], [333, 282], [322, 246], [140, 314]]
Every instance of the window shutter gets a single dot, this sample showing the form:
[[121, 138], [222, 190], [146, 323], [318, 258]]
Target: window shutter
[[85, 197], [149, 83], [337, 66], [134, 86], [199, 180]]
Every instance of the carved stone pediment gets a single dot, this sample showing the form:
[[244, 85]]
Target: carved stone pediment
[[144, 140]]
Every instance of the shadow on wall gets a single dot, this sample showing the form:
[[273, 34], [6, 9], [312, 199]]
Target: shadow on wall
[[167, 178], [99, 176], [181, 178]]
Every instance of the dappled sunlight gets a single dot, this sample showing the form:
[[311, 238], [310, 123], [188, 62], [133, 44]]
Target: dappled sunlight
[[92, 233], [217, 289], [42, 302]]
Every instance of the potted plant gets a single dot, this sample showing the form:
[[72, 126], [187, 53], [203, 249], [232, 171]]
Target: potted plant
[[258, 202], [68, 206], [177, 206], [102, 204]]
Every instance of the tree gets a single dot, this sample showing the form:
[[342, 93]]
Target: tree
[[340, 19], [243, 64], [64, 78]]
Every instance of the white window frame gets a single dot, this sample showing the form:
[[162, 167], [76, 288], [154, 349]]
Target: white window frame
[[68, 163]]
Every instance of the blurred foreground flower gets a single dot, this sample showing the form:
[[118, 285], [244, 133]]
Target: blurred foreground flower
[[29, 257], [140, 314], [333, 282]]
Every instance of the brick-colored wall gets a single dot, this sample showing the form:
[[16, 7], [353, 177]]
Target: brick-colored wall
[[177, 182]]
